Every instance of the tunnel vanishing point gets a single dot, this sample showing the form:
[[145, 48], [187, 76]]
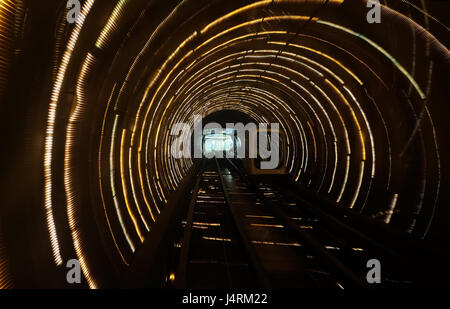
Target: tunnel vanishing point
[[93, 197]]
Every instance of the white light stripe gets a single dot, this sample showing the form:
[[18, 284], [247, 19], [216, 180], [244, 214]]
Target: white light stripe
[[51, 119]]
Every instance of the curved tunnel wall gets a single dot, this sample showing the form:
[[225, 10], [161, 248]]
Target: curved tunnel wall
[[363, 106]]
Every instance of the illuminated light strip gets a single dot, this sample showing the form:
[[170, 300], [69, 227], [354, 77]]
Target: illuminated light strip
[[206, 224], [388, 182], [330, 58], [314, 139], [139, 56], [150, 188], [69, 166], [8, 6], [235, 12], [315, 63], [321, 54], [347, 71], [146, 117], [176, 167], [318, 120], [228, 43], [290, 70], [347, 169], [209, 109], [288, 106], [358, 186], [216, 63], [234, 106], [217, 239], [372, 142], [330, 124], [282, 103], [256, 5], [266, 225], [250, 100], [380, 49], [290, 17], [5, 276], [133, 190], [439, 172], [361, 141], [113, 186], [204, 68], [302, 142], [160, 192], [390, 212], [355, 119], [426, 14], [258, 76], [279, 120], [349, 53], [164, 65], [306, 144], [7, 15], [307, 66], [270, 243], [347, 142], [155, 145], [414, 56], [141, 179], [252, 22], [294, 154], [124, 187], [138, 115], [169, 168], [111, 25], [48, 147], [271, 56], [100, 179], [169, 177], [362, 146], [332, 248], [260, 217]]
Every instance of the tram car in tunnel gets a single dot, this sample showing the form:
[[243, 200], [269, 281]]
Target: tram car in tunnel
[[268, 156]]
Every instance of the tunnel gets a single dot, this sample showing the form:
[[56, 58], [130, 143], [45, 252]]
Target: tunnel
[[100, 170]]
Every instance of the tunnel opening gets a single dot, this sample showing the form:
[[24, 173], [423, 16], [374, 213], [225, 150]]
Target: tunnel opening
[[223, 141], [219, 137]]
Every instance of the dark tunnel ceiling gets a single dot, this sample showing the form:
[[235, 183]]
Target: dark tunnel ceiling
[[364, 107]]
